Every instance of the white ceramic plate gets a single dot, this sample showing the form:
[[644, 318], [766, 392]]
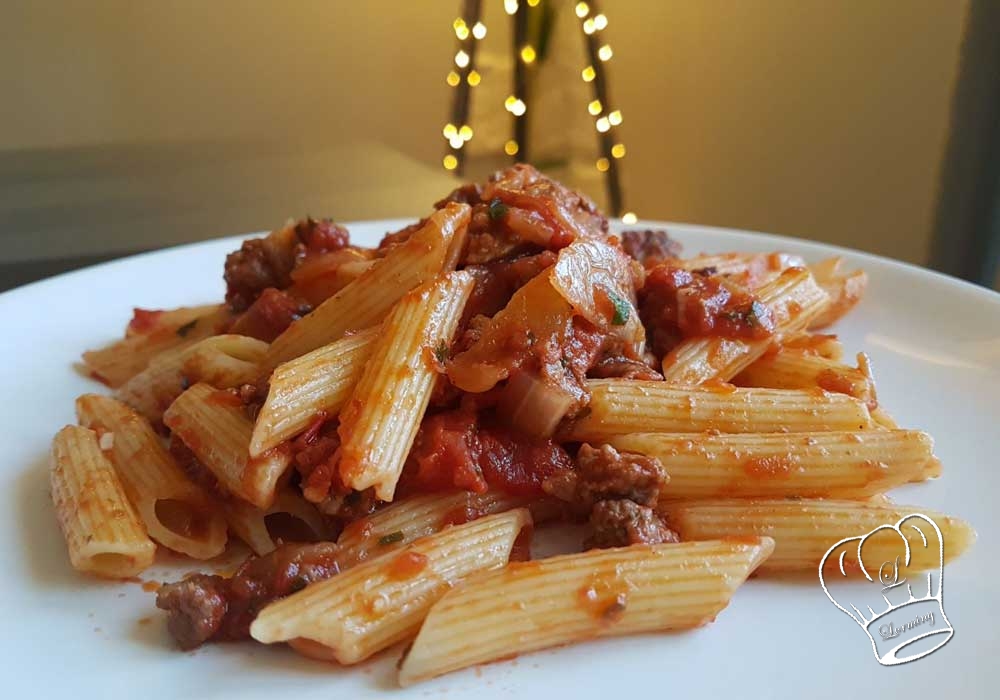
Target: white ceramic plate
[[935, 344]]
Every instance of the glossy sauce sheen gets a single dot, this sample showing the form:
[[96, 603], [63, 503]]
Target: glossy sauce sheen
[[407, 565], [452, 450], [677, 304]]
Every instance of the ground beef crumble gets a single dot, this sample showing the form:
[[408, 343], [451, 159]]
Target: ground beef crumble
[[207, 607], [617, 490]]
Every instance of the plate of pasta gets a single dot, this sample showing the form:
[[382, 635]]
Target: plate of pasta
[[509, 449]]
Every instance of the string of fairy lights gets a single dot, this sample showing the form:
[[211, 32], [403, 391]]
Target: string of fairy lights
[[470, 30]]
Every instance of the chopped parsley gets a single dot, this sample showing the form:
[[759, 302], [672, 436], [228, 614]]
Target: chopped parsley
[[622, 309], [441, 352], [497, 209], [187, 328], [391, 538]]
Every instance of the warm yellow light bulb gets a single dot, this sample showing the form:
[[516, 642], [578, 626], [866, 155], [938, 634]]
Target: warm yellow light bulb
[[618, 150], [533, 3], [511, 148], [458, 24], [449, 130], [582, 9], [450, 162], [629, 218], [461, 59], [453, 79], [600, 21], [473, 78], [465, 132], [510, 102], [603, 125], [604, 53], [528, 54], [595, 107], [615, 118], [588, 74], [479, 30], [456, 141], [510, 6], [588, 26], [603, 164], [462, 33]]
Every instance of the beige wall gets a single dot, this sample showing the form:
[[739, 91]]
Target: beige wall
[[806, 117]]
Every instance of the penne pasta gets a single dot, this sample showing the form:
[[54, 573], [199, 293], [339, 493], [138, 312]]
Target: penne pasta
[[290, 518], [844, 289], [751, 269], [824, 345], [404, 521], [103, 532], [151, 391], [778, 465], [373, 605], [376, 435], [215, 427], [803, 530], [177, 513], [318, 382], [367, 300], [798, 369], [534, 605], [224, 361], [159, 331], [794, 299], [620, 407]]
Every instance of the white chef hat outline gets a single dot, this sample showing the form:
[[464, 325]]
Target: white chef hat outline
[[889, 659]]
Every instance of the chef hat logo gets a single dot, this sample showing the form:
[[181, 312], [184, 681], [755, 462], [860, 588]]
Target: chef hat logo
[[905, 618]]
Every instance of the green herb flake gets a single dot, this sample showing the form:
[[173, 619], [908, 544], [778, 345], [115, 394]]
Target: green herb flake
[[391, 538], [497, 209], [187, 328], [622, 309]]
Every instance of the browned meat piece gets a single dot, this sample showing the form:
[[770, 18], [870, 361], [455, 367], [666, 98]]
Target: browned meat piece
[[203, 607], [606, 474], [650, 247], [618, 491], [623, 368], [517, 210], [675, 304], [497, 281], [621, 523], [196, 608], [263, 263], [249, 271], [537, 209], [269, 315], [318, 236]]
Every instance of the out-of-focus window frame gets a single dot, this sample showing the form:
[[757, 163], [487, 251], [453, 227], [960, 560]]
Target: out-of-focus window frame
[[967, 230]]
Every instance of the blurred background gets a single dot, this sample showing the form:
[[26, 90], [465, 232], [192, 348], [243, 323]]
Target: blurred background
[[127, 126]]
